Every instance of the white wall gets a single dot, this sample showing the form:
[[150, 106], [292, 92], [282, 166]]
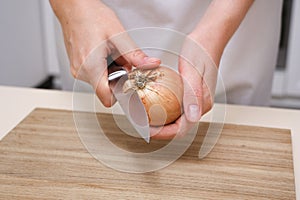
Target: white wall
[[23, 52]]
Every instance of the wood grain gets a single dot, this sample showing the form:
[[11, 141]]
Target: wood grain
[[43, 158]]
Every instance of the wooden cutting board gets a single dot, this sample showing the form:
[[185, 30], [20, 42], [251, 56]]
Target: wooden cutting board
[[43, 158]]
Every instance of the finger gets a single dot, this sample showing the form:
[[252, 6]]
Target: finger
[[178, 129], [140, 60], [103, 91], [94, 71], [131, 53], [121, 61], [193, 93]]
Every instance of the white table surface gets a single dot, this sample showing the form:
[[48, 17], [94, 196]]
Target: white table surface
[[16, 103]]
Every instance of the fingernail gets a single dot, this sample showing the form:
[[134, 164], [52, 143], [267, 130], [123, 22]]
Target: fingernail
[[193, 113], [151, 60]]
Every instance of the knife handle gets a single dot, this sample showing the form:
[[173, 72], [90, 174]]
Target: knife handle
[[115, 71]]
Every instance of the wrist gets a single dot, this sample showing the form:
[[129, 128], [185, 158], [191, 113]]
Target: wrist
[[212, 39]]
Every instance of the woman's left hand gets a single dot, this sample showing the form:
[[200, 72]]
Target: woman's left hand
[[199, 75]]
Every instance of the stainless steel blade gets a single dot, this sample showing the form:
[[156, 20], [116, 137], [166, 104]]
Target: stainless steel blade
[[210, 140], [132, 106]]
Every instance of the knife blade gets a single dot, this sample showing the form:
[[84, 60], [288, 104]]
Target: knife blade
[[130, 102], [210, 140]]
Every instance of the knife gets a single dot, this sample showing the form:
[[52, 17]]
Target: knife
[[130, 101], [210, 140]]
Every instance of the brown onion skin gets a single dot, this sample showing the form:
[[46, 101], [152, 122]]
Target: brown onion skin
[[162, 95]]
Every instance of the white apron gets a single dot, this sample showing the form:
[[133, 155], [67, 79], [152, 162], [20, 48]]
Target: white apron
[[248, 61]]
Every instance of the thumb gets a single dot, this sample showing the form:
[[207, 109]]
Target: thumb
[[94, 71], [128, 50], [193, 93]]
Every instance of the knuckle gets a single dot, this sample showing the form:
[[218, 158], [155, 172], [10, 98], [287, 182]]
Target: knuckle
[[84, 68], [107, 104], [106, 101], [137, 53], [73, 72], [195, 92]]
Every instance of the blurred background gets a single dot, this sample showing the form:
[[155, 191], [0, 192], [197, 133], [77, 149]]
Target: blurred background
[[28, 44]]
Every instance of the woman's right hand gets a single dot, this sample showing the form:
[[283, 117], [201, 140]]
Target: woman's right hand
[[92, 32]]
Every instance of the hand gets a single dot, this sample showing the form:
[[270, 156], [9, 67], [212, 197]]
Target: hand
[[199, 60], [92, 32], [199, 74]]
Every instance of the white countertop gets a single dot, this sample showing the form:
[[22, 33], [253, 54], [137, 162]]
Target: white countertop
[[17, 103]]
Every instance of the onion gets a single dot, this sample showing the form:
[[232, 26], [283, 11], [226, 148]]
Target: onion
[[161, 91]]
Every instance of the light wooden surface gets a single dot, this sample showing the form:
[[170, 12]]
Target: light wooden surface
[[43, 157]]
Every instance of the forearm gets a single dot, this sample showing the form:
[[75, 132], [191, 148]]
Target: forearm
[[77, 10], [86, 18], [219, 23]]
